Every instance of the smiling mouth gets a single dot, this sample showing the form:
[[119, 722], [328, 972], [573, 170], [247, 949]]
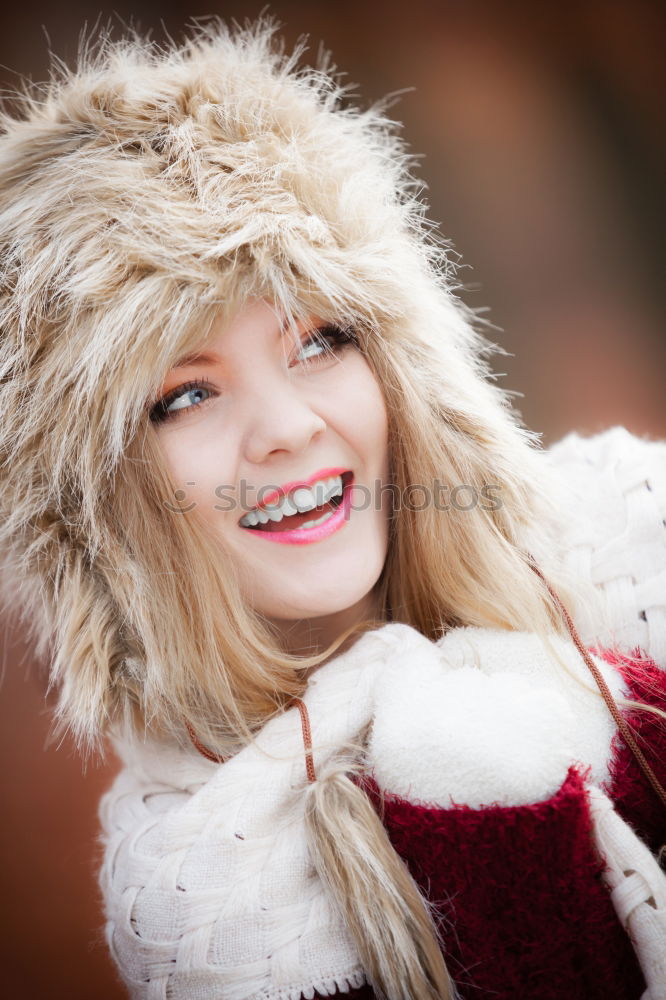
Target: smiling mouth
[[285, 515]]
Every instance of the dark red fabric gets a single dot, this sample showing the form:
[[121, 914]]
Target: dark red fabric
[[523, 912], [632, 793]]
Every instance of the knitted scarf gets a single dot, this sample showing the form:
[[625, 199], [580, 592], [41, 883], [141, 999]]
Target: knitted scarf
[[208, 880]]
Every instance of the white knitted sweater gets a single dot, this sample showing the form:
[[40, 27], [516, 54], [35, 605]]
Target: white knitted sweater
[[207, 880]]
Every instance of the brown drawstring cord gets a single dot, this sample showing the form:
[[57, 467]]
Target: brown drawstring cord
[[307, 741], [204, 751], [307, 738], [622, 724]]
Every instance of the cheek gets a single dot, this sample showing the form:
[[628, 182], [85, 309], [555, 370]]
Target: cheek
[[197, 470], [360, 412]]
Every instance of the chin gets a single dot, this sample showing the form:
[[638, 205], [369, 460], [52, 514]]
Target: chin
[[328, 604]]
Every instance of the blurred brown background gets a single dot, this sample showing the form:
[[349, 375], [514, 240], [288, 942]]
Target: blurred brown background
[[543, 139]]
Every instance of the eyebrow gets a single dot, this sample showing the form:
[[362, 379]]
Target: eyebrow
[[205, 358], [200, 358]]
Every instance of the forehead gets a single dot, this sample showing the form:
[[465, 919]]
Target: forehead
[[257, 318]]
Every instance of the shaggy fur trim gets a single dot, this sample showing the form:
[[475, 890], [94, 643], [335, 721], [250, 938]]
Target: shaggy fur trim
[[142, 195]]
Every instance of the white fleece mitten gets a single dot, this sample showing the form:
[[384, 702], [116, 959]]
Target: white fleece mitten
[[487, 716]]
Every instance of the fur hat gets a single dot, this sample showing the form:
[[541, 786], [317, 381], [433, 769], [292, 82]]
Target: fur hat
[[148, 190]]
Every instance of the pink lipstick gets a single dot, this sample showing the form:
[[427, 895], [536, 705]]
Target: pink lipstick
[[338, 516]]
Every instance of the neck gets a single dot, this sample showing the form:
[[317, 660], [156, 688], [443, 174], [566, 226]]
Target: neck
[[309, 636]]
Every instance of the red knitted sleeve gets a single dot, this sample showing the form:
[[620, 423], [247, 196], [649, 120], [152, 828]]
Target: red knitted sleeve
[[522, 909], [634, 799]]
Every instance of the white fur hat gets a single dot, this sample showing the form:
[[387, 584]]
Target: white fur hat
[[149, 189]]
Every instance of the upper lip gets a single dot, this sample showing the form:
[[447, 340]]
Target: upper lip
[[286, 488]]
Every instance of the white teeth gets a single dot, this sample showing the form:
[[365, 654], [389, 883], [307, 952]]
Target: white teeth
[[320, 520], [287, 507], [333, 487], [304, 498]]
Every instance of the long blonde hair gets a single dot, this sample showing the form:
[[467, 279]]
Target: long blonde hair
[[142, 196]]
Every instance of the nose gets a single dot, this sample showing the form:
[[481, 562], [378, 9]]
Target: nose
[[281, 420]]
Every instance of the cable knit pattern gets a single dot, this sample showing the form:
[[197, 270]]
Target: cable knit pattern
[[208, 884], [638, 890], [616, 533]]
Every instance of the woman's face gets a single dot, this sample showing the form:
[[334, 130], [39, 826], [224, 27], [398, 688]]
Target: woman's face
[[268, 408]]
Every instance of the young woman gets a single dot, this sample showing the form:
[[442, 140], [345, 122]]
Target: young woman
[[358, 641]]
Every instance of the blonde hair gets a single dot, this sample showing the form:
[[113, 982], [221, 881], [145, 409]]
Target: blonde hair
[[144, 195]]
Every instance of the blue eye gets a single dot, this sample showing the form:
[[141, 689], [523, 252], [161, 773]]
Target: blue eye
[[317, 343], [327, 341], [330, 340], [176, 401]]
